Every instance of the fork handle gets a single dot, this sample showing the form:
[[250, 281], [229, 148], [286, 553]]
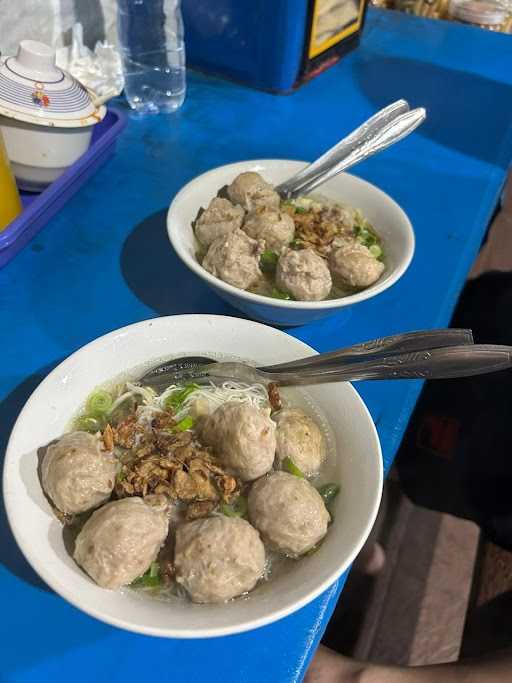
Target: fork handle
[[382, 347], [445, 363]]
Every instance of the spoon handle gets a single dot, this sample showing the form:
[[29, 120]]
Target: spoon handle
[[344, 147], [381, 347], [445, 363], [438, 363], [392, 132]]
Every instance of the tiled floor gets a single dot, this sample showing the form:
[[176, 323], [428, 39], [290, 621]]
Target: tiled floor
[[440, 626], [496, 254], [489, 618], [414, 611]]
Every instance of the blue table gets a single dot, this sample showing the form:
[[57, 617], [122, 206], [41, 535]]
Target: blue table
[[104, 262]]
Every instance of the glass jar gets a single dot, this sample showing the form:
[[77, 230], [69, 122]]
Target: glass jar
[[483, 13]]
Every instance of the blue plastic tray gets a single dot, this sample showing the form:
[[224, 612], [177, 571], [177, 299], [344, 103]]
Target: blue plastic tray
[[38, 208]]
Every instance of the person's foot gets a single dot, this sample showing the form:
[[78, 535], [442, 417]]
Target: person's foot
[[330, 667], [371, 560]]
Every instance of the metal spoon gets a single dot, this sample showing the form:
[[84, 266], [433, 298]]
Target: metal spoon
[[388, 126], [188, 368], [345, 146], [443, 363]]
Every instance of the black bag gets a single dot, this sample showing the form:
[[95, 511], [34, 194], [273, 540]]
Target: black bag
[[456, 456]]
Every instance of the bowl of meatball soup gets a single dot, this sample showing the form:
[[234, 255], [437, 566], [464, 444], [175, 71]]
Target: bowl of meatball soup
[[201, 509], [289, 262]]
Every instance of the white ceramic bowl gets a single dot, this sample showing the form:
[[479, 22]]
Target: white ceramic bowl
[[40, 154], [383, 212], [49, 409]]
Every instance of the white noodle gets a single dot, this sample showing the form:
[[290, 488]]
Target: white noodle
[[146, 415], [119, 400], [211, 395], [165, 394], [148, 395], [253, 394]]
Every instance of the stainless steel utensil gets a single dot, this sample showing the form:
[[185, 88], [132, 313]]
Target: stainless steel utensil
[[388, 126], [413, 354], [381, 347]]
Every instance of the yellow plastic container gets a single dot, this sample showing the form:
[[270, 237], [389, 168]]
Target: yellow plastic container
[[10, 203]]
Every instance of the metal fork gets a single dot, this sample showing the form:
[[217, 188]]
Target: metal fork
[[431, 353]]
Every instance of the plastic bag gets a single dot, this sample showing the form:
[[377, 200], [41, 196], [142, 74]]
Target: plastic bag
[[86, 29], [99, 70]]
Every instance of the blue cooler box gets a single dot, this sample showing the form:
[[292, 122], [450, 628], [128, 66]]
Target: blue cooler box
[[270, 44]]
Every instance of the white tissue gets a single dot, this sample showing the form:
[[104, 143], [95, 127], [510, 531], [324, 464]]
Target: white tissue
[[100, 70]]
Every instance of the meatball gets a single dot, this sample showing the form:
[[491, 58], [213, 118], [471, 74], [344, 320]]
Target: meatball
[[119, 541], [299, 438], [275, 228], [304, 275], [352, 264], [218, 558], [244, 438], [235, 259], [250, 191], [289, 513], [76, 474], [218, 220]]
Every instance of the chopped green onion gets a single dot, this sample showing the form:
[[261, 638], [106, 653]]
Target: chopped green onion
[[99, 403], [201, 252], [120, 476], [89, 424], [268, 261], [300, 209], [278, 294], [178, 398], [296, 244], [365, 235], [150, 578], [375, 250], [151, 581], [292, 468], [183, 425], [313, 550], [329, 492], [236, 509]]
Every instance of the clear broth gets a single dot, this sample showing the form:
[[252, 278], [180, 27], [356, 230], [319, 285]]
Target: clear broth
[[295, 397]]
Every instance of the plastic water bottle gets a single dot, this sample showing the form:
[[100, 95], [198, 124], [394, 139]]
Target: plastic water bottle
[[153, 53]]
